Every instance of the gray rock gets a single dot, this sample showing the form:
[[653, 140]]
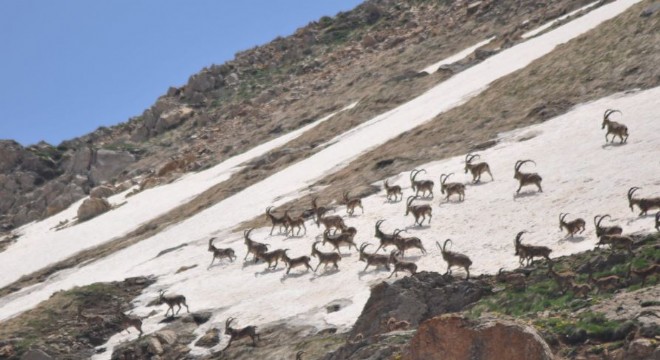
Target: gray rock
[[210, 339], [92, 207], [102, 191], [108, 164]]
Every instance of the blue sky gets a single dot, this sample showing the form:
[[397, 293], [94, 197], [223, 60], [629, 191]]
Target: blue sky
[[68, 67]]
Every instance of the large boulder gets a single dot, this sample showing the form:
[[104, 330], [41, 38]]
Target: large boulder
[[92, 207], [458, 338], [173, 118]]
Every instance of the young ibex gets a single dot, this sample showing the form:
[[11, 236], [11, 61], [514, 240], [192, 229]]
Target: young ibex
[[273, 256], [92, 320], [393, 191], [405, 243], [476, 169], [171, 301], [563, 278], [393, 324], [237, 334], [127, 321], [277, 221], [400, 265], [420, 185], [451, 188], [644, 204], [529, 252], [374, 259], [220, 253], [606, 230], [418, 211], [515, 280], [605, 282], [344, 239], [385, 239], [325, 258], [318, 211], [643, 273], [615, 241], [253, 247], [614, 127], [295, 262], [526, 178], [352, 203], [582, 290], [454, 259], [329, 222], [572, 227], [295, 223]]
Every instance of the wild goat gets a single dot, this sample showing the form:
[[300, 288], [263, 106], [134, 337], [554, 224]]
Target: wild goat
[[644, 204], [643, 273], [393, 324], [318, 211], [614, 127], [452, 188], [529, 252], [220, 253], [393, 191], [237, 334], [329, 222], [615, 241], [563, 278], [253, 247], [606, 230], [516, 280], [273, 256], [325, 258], [526, 178], [127, 321], [295, 262], [454, 259], [605, 282], [385, 239], [572, 227], [400, 265], [352, 203], [92, 320], [420, 185], [579, 289], [476, 169], [405, 243], [374, 259], [277, 221], [418, 211], [344, 239], [171, 301], [293, 223]]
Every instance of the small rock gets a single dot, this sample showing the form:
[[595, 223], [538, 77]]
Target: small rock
[[210, 339], [92, 207], [167, 336], [155, 346]]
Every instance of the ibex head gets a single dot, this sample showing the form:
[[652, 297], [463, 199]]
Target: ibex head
[[228, 325], [362, 247], [606, 116], [468, 159], [562, 216], [246, 235], [518, 239], [519, 163]]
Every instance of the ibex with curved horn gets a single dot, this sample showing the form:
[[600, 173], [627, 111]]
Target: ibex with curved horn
[[572, 227], [325, 258], [344, 239], [526, 178], [253, 247], [606, 230], [644, 204], [454, 259], [352, 203], [405, 243], [385, 239], [613, 127], [451, 188], [127, 321], [220, 253], [529, 252], [400, 265], [418, 211], [295, 262], [420, 185], [171, 301], [333, 221], [295, 223], [476, 168], [277, 221], [237, 334], [318, 211], [374, 259], [617, 241], [393, 191]]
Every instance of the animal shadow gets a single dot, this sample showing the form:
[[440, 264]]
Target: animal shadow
[[525, 194], [325, 273]]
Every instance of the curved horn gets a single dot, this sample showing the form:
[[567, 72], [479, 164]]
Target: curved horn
[[410, 200], [445, 244], [314, 202], [596, 222], [211, 241], [500, 271], [246, 233], [609, 112], [562, 216], [228, 322], [416, 173], [469, 157], [602, 218], [441, 178], [520, 163], [268, 209], [519, 236], [397, 232], [413, 173], [378, 223], [631, 192]]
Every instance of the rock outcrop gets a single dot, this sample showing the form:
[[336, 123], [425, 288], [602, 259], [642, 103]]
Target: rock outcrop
[[92, 207]]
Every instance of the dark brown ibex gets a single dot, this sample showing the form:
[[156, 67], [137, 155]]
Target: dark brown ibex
[[529, 252], [476, 169], [616, 241], [374, 259], [451, 188], [92, 320], [344, 239], [405, 243], [582, 290], [515, 280], [644, 204], [454, 259], [643, 273], [295, 262], [418, 211], [526, 178], [352, 203], [563, 278], [385, 239], [295, 223], [420, 185], [127, 321], [613, 127], [325, 258], [171, 301], [273, 256], [572, 227], [400, 265], [329, 222], [253, 247], [277, 221], [220, 253], [393, 191], [606, 230], [237, 334], [393, 324], [604, 282]]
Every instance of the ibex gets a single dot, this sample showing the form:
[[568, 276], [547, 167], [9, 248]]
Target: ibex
[[516, 280], [295, 262], [272, 256], [295, 223], [476, 169], [614, 127], [606, 230], [237, 334], [451, 188], [400, 265], [171, 301], [418, 211], [344, 239], [393, 324], [318, 211], [329, 222], [385, 239], [643, 273], [92, 320], [220, 253], [277, 221], [605, 282], [374, 259], [253, 247], [454, 259], [127, 321], [393, 191], [352, 203], [579, 289], [572, 227], [644, 204], [420, 185], [615, 241], [526, 178], [529, 252], [405, 243], [325, 258], [563, 278]]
